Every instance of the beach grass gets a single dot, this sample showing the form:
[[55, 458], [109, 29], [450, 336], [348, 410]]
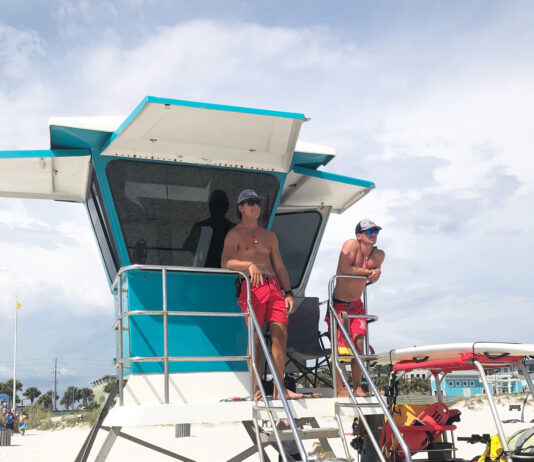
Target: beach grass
[[40, 418]]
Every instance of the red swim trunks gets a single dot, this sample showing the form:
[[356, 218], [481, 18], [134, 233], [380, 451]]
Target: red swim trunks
[[357, 326], [267, 300]]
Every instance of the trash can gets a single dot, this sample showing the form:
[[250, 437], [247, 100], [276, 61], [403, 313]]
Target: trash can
[[182, 430], [5, 437]]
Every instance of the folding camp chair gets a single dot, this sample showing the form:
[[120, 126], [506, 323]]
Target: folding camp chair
[[305, 343]]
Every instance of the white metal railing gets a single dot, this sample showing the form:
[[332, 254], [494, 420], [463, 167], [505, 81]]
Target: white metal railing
[[253, 328], [336, 324]]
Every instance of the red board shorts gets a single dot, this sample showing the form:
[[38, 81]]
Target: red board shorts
[[357, 326], [267, 300]]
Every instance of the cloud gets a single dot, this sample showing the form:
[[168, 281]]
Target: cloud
[[443, 128], [52, 262]]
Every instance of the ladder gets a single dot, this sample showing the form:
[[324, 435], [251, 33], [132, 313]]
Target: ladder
[[363, 361]]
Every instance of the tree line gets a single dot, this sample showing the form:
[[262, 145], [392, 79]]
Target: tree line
[[380, 374], [72, 396]]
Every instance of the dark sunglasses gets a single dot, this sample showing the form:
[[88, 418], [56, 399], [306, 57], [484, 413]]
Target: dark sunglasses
[[252, 202], [371, 231]]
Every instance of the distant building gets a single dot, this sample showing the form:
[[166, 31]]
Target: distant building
[[455, 384], [468, 383], [419, 373], [98, 386]]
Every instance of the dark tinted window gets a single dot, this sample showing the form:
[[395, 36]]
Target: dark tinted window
[[296, 234], [179, 215], [99, 219]]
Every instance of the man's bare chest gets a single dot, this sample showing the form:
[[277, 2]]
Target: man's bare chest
[[254, 249], [362, 261]]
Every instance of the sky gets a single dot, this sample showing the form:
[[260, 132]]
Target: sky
[[432, 101]]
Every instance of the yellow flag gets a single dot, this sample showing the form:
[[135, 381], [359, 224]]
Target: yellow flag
[[18, 305]]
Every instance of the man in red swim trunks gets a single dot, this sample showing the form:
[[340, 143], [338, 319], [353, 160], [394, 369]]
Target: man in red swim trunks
[[250, 248], [358, 257]]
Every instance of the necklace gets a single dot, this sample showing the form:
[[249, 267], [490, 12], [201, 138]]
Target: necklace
[[366, 259], [254, 238]]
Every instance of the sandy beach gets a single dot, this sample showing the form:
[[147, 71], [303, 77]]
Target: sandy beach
[[221, 442]]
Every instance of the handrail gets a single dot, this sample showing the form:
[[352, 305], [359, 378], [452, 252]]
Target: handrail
[[334, 319], [253, 326]]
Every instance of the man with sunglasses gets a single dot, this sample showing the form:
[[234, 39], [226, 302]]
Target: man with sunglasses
[[358, 257], [252, 249]]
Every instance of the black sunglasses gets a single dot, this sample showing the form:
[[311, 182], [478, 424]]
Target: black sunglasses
[[252, 202]]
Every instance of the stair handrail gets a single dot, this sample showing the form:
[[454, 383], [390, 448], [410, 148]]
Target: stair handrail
[[253, 326], [277, 381], [335, 323]]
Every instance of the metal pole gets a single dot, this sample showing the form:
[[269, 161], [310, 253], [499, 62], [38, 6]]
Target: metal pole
[[333, 335], [439, 395], [493, 408], [251, 345], [366, 350], [121, 353], [54, 388], [438, 380], [527, 378], [14, 403], [165, 334]]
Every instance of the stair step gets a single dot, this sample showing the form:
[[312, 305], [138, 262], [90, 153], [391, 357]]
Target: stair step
[[362, 357], [337, 459], [367, 404], [264, 408], [305, 434]]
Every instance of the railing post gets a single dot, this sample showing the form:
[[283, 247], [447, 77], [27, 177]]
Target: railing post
[[251, 345], [493, 408], [165, 335], [366, 350], [121, 353], [525, 373], [333, 335]]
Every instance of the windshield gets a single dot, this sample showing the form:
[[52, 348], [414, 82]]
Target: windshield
[[179, 215]]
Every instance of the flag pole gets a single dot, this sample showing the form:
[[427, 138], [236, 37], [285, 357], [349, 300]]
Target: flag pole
[[14, 403]]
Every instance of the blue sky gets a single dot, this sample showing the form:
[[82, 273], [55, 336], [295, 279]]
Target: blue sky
[[430, 100]]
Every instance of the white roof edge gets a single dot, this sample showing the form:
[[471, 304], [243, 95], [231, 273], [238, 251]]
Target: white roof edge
[[111, 123], [105, 123], [312, 148]]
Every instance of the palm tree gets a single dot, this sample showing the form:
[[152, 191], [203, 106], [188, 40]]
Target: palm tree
[[85, 394], [7, 388], [70, 397], [31, 393], [45, 400]]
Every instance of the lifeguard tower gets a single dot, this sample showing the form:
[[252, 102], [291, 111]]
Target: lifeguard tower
[[160, 188]]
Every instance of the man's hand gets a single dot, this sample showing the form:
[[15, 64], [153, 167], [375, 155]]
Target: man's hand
[[290, 304], [374, 275], [256, 278]]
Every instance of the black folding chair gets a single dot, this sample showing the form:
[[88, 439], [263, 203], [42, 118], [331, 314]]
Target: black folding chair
[[305, 343]]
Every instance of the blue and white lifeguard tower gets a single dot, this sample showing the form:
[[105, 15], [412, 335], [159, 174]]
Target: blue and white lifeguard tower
[[160, 188]]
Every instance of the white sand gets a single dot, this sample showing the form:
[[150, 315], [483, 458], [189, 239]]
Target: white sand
[[478, 419], [220, 442]]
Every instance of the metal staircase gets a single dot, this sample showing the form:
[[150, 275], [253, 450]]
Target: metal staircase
[[363, 361]]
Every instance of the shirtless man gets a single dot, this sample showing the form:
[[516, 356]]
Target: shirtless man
[[358, 257], [252, 249]]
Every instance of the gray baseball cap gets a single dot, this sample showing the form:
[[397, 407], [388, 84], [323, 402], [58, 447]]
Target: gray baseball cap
[[366, 224], [247, 194]]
